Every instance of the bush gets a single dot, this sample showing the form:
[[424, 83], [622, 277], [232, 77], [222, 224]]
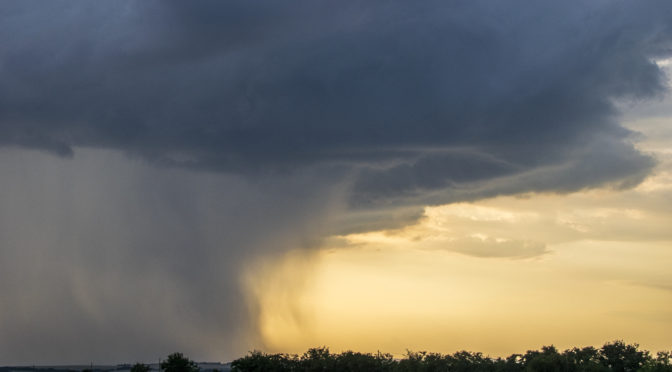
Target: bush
[[139, 367], [177, 362]]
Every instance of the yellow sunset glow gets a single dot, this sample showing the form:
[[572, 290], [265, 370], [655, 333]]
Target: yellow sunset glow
[[374, 299], [500, 275], [546, 269]]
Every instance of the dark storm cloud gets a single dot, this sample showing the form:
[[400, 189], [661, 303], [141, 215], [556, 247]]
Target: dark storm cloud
[[268, 115], [382, 86]]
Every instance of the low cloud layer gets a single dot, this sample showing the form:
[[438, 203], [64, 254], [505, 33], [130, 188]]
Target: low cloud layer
[[185, 139]]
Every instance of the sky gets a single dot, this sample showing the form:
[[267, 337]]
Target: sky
[[215, 177]]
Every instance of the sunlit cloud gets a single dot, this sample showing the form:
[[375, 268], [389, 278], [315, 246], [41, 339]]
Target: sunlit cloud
[[503, 274]]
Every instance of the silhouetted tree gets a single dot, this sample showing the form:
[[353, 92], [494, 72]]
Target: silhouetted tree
[[546, 360], [139, 367], [586, 359], [619, 357], [260, 362], [352, 361], [662, 363], [317, 359], [612, 357], [465, 361], [177, 362], [512, 363]]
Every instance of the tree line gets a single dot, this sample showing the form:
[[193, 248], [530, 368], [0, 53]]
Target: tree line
[[614, 356]]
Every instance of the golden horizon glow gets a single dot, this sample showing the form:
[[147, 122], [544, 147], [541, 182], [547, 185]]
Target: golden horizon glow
[[500, 276], [370, 299]]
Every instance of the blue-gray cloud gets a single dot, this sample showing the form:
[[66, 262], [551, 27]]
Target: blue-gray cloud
[[395, 90]]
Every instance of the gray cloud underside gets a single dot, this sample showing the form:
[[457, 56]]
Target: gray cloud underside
[[411, 97]]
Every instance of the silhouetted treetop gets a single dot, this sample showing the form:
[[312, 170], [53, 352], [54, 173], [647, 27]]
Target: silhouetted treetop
[[177, 362], [139, 367], [612, 357]]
